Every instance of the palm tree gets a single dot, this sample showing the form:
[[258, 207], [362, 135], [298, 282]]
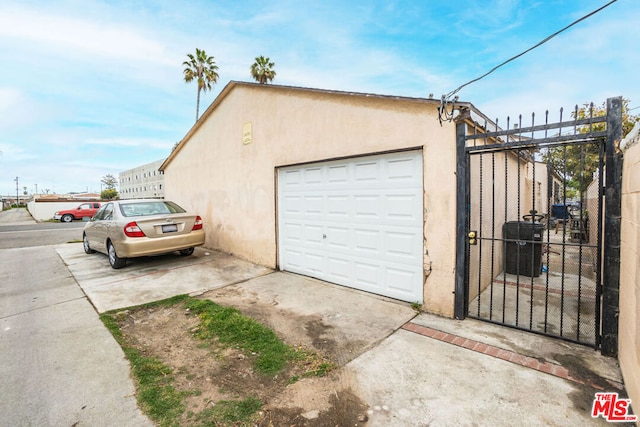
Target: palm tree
[[262, 70], [203, 69]]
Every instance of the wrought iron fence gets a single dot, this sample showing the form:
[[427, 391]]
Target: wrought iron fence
[[532, 198]]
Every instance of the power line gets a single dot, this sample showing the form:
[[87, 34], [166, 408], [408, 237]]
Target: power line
[[443, 110]]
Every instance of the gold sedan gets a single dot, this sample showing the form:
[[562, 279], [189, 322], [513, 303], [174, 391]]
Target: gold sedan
[[133, 228]]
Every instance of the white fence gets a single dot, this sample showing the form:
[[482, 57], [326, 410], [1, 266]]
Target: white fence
[[43, 210]]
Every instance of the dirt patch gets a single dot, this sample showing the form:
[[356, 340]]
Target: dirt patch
[[213, 373], [308, 330]]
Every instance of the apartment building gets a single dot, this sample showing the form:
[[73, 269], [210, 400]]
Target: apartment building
[[141, 182]]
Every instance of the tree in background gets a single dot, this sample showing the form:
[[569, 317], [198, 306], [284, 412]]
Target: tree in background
[[109, 194], [579, 162], [203, 69], [262, 70], [109, 191]]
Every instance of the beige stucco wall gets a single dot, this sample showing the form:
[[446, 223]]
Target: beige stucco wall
[[499, 183], [543, 179], [591, 197], [233, 187], [629, 324]]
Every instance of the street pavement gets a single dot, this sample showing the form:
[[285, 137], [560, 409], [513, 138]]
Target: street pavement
[[61, 367]]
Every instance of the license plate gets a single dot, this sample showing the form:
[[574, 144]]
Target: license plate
[[169, 228]]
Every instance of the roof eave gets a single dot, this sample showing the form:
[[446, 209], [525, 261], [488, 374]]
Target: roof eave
[[232, 84]]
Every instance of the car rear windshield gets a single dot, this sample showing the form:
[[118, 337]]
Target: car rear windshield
[[149, 208]]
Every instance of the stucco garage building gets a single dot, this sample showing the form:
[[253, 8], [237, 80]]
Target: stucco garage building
[[352, 188], [360, 190]]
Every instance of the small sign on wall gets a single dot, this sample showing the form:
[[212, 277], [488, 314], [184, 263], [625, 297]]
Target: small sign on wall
[[247, 133]]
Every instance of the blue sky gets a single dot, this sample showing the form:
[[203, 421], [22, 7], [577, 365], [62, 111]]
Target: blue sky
[[90, 88]]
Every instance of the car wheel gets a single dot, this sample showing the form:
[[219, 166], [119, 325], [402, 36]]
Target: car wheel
[[66, 218], [85, 244], [187, 252], [114, 260]]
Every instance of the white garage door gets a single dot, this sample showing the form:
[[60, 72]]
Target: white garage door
[[355, 222]]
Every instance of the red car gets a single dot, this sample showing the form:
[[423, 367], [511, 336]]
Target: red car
[[85, 210]]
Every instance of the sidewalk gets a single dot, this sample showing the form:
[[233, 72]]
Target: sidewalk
[[437, 371], [16, 216], [59, 365]]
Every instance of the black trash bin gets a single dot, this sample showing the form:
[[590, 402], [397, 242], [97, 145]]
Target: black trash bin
[[560, 211], [523, 255]]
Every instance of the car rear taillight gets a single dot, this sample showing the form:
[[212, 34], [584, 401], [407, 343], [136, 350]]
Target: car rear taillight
[[198, 224], [132, 230]]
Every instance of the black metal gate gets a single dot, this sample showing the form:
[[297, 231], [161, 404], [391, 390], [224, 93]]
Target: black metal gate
[[531, 239]]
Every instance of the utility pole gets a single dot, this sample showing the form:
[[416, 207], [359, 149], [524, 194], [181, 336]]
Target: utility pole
[[17, 193]]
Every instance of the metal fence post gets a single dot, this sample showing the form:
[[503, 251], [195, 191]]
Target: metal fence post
[[462, 213], [612, 219]]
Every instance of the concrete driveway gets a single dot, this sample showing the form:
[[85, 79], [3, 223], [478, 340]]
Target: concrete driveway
[[410, 369], [151, 279]]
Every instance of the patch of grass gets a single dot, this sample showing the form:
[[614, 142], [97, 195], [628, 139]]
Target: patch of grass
[[157, 396], [294, 379], [314, 364], [231, 413], [169, 302], [109, 320], [231, 328]]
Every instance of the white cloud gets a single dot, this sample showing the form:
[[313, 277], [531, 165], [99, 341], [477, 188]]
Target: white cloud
[[80, 37], [13, 153]]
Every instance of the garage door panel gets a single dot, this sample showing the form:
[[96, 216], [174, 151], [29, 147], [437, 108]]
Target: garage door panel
[[405, 170], [403, 207], [313, 205], [368, 206], [312, 235], [294, 259], [367, 240], [291, 179], [292, 233], [339, 237], [367, 276], [401, 245], [338, 174], [338, 206], [314, 263], [367, 172], [292, 204], [339, 270], [313, 176], [400, 280], [355, 222]]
